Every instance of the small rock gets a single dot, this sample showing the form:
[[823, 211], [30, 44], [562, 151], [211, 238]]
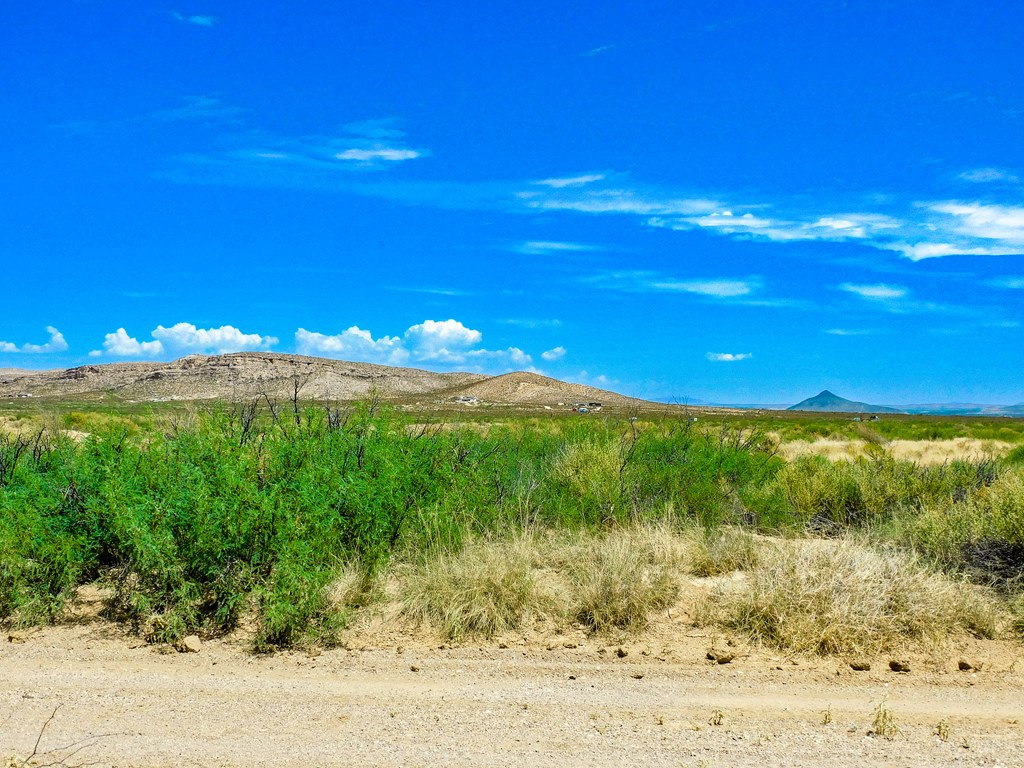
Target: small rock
[[569, 644], [720, 657], [898, 665], [190, 644], [572, 677], [969, 666], [860, 665], [621, 652], [414, 668], [638, 675]]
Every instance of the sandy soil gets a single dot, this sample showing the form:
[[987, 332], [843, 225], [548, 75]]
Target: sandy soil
[[401, 698]]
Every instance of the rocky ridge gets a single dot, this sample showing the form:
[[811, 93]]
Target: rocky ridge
[[247, 374]]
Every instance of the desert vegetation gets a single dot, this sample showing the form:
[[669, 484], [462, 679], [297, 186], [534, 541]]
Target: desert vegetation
[[295, 518]]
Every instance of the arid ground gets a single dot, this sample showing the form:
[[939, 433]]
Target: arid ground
[[397, 696]]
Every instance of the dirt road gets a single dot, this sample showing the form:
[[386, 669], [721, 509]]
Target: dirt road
[[535, 702]]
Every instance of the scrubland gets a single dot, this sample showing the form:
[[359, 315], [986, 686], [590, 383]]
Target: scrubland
[[293, 523]]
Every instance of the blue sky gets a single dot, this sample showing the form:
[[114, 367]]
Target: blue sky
[[723, 201]]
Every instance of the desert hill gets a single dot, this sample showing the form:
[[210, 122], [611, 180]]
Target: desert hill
[[534, 389], [247, 374], [828, 402], [242, 374]]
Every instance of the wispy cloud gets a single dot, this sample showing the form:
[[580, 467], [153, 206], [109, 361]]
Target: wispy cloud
[[546, 247], [571, 181], [198, 109], [722, 289], [915, 229], [728, 357], [989, 176], [831, 227], [198, 19], [614, 201], [182, 338], [876, 292], [732, 290], [551, 355], [387, 154], [1012, 283], [195, 108], [532, 322], [304, 161], [847, 332], [428, 290], [56, 343]]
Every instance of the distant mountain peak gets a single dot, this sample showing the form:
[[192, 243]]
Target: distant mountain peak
[[826, 401]]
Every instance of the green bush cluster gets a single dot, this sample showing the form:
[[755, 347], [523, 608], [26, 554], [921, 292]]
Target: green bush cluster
[[254, 510]]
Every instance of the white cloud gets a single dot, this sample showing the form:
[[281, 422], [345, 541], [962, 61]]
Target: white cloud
[[187, 338], [199, 19], [183, 337], [988, 176], [353, 344], [389, 154], [513, 357], [552, 355], [544, 247], [717, 288], [56, 343], [922, 251], [877, 292], [120, 344], [442, 341], [728, 357], [572, 181], [439, 342], [987, 222]]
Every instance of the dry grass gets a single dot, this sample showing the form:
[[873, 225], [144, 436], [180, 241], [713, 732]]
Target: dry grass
[[836, 597], [713, 552], [616, 581], [483, 589], [924, 452], [611, 581]]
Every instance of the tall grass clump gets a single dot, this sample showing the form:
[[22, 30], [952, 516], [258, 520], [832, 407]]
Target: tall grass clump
[[836, 597], [717, 551], [485, 588], [619, 579]]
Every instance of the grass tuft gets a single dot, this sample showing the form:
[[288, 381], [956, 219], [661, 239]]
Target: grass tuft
[[713, 552], [619, 579], [838, 597], [484, 589]]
